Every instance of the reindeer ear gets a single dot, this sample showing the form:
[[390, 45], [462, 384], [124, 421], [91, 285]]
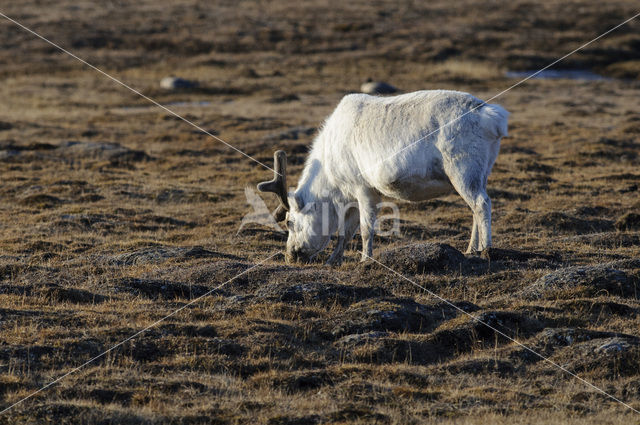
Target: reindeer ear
[[299, 201]]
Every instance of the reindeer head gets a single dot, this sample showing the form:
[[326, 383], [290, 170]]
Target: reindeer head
[[304, 220]]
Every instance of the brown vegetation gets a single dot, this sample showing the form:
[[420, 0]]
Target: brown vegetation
[[114, 213]]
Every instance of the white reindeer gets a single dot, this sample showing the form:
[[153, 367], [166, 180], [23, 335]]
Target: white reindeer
[[411, 147]]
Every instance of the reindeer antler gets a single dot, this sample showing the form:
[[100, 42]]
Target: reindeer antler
[[279, 184]]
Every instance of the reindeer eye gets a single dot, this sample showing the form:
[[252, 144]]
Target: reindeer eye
[[289, 225]]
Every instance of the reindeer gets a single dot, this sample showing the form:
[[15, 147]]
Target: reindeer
[[411, 147]]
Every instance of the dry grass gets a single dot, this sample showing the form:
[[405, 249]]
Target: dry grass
[[103, 237]]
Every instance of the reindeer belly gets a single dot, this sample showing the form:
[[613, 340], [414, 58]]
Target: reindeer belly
[[417, 188]]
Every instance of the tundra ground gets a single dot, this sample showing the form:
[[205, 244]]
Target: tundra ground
[[114, 213]]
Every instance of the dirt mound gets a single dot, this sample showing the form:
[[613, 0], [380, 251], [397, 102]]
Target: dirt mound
[[112, 153], [320, 293], [507, 195], [606, 148], [606, 240], [68, 223], [514, 255], [581, 350], [423, 258], [113, 223], [16, 153], [560, 222], [385, 347], [291, 275], [595, 309], [57, 293], [380, 348], [215, 272], [509, 323], [41, 201], [260, 234], [584, 281], [293, 382], [393, 315], [609, 357], [551, 340], [180, 196], [160, 254], [478, 366], [629, 221], [159, 289], [245, 278], [174, 329], [496, 259]]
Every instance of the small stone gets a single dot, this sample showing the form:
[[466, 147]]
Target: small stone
[[377, 87], [613, 347], [176, 83], [249, 73]]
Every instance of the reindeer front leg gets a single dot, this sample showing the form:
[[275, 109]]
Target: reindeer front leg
[[346, 231], [367, 202]]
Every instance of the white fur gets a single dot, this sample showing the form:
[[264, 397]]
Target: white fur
[[366, 149]]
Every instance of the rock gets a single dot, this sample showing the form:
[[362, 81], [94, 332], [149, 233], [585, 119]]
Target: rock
[[354, 340], [377, 87], [176, 83], [248, 73], [614, 345], [422, 258], [583, 281]]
